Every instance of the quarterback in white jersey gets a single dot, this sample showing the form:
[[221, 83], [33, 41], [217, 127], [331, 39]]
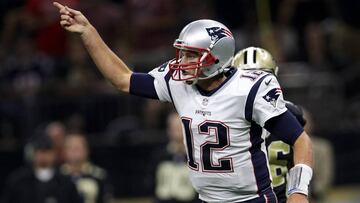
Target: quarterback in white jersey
[[226, 153], [222, 112]]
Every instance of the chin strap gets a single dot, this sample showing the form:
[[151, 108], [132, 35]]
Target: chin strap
[[299, 179]]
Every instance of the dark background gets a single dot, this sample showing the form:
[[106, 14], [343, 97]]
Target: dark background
[[46, 75]]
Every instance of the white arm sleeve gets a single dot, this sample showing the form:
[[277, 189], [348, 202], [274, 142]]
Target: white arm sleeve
[[269, 101], [162, 79]]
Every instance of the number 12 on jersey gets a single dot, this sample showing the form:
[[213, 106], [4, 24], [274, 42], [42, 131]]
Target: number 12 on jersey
[[224, 165]]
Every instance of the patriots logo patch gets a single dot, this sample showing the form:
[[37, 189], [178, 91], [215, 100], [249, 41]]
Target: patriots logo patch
[[272, 96], [216, 33]]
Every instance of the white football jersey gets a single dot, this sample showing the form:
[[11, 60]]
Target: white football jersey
[[223, 131]]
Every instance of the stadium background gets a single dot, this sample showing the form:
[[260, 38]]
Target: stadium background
[[46, 75]]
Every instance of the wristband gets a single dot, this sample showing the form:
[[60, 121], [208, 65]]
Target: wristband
[[299, 179]]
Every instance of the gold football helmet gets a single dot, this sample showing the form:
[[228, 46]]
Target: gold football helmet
[[255, 58]]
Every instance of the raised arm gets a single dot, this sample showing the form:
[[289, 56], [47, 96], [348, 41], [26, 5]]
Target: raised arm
[[110, 65]]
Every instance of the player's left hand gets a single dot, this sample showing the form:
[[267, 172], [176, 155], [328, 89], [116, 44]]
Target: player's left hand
[[297, 198]]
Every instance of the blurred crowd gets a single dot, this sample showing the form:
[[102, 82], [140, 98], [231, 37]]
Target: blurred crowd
[[46, 75]]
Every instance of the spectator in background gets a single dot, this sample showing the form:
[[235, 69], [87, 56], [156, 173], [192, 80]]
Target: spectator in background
[[41, 182], [172, 179], [90, 180], [56, 130]]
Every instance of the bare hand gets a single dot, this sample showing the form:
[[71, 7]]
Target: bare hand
[[297, 198], [72, 20]]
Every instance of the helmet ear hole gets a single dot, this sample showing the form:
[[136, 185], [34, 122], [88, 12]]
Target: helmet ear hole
[[217, 61]]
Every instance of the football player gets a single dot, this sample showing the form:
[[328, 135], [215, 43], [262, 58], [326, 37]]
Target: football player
[[222, 112], [280, 154]]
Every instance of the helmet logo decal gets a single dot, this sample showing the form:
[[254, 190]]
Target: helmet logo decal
[[272, 96], [216, 33]]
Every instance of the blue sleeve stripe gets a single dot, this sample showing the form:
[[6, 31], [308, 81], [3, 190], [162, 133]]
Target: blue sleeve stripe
[[250, 99], [258, 158], [167, 78], [285, 126], [142, 84]]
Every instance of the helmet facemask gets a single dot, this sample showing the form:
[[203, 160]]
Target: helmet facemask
[[191, 69]]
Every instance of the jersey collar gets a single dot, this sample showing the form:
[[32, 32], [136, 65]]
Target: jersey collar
[[231, 72]]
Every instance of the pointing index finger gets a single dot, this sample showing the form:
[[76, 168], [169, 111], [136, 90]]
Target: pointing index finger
[[62, 9], [58, 5]]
